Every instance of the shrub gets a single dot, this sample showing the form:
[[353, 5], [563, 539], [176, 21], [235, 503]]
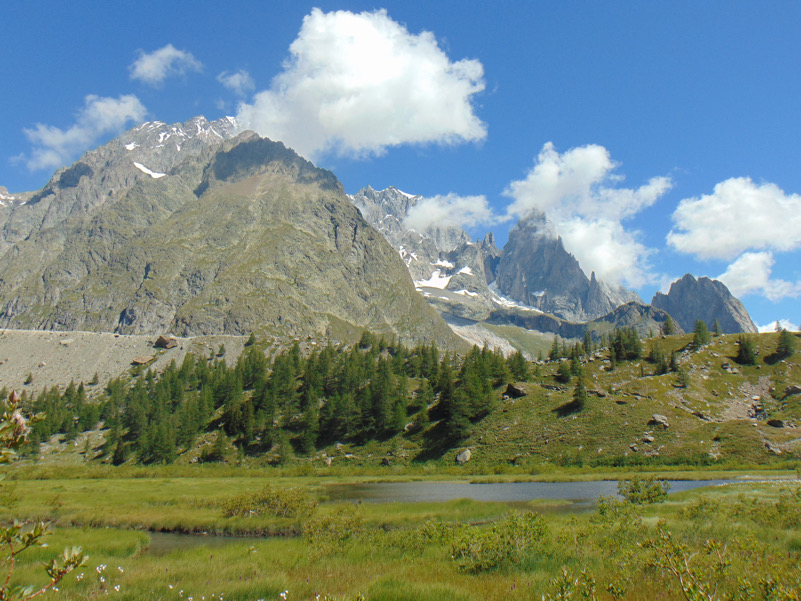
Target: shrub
[[643, 491], [278, 502], [507, 542]]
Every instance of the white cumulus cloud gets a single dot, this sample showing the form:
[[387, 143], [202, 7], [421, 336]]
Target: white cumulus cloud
[[357, 84], [449, 210], [739, 215], [154, 67], [751, 274], [54, 147], [579, 191], [785, 324], [240, 82]]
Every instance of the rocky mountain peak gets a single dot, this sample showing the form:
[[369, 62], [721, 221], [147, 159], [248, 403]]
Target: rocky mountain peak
[[125, 240], [690, 299], [537, 270], [248, 155]]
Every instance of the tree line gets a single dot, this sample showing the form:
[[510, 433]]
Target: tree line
[[289, 403]]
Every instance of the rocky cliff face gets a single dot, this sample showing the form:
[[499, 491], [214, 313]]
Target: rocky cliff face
[[690, 299], [447, 267], [536, 270], [190, 230]]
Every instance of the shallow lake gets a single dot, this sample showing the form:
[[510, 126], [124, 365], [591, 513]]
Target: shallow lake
[[509, 492]]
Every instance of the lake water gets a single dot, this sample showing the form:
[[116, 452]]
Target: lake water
[[509, 492], [581, 495]]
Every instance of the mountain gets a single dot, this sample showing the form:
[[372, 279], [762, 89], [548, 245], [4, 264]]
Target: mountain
[[194, 230], [503, 297], [447, 267], [536, 270], [690, 299]]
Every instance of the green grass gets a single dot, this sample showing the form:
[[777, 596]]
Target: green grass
[[383, 560]]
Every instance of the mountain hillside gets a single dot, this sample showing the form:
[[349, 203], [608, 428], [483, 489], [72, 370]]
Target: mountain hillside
[[185, 229]]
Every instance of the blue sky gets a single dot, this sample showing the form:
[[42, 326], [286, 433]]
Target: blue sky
[[661, 138]]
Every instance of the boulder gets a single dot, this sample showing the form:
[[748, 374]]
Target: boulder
[[464, 457], [648, 439], [142, 360], [791, 390], [658, 420], [776, 423], [513, 392], [165, 342]]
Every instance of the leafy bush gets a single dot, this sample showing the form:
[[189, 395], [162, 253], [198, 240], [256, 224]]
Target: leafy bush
[[645, 491], [507, 542], [279, 502]]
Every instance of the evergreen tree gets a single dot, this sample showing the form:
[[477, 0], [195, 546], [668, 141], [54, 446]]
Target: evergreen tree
[[120, 453], [786, 344], [668, 327], [700, 334], [518, 367], [588, 347], [716, 328], [580, 396], [563, 372], [746, 353], [554, 354], [311, 427]]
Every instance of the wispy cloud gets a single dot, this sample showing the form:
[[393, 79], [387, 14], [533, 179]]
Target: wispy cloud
[[154, 67], [239, 82], [54, 147], [357, 84], [450, 210]]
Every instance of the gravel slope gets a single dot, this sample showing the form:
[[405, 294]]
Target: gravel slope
[[55, 358]]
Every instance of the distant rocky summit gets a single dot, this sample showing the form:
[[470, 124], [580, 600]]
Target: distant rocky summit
[[536, 270], [690, 299], [193, 229]]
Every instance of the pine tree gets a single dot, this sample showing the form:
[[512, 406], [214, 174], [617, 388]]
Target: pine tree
[[588, 348], [563, 372], [554, 354], [120, 453], [518, 367], [786, 344], [746, 353], [716, 328], [580, 396], [668, 327], [700, 334]]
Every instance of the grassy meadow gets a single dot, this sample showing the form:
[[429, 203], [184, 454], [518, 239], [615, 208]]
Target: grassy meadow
[[739, 541]]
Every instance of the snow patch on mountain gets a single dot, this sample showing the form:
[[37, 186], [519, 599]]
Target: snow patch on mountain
[[437, 280], [131, 146], [144, 169], [501, 300]]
